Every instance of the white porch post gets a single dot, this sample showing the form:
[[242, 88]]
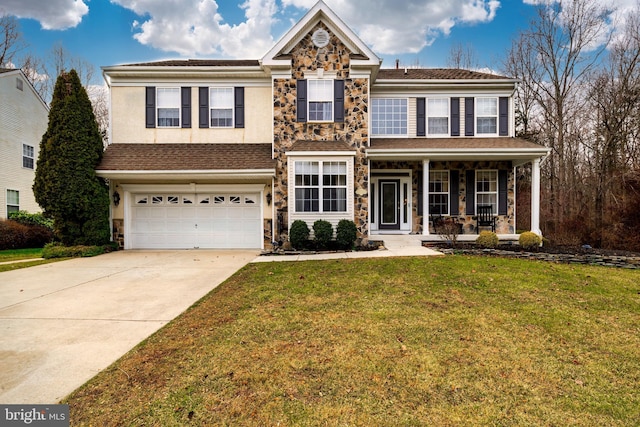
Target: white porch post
[[535, 197], [425, 197]]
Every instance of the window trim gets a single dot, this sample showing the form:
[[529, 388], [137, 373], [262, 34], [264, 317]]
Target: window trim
[[177, 107], [230, 107], [447, 116], [26, 156], [478, 116], [311, 99], [321, 186], [496, 193], [446, 193], [406, 117], [16, 206]]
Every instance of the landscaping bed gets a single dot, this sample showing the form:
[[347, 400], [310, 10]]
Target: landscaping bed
[[564, 254]]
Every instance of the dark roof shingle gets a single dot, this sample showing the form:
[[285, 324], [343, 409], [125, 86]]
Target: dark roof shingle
[[435, 74], [452, 143], [199, 63], [192, 157]]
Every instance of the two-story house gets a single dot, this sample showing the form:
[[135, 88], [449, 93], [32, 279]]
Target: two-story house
[[228, 153], [23, 121]]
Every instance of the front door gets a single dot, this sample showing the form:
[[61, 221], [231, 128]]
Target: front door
[[389, 218]]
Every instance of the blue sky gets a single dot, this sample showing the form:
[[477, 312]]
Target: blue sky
[[420, 32]]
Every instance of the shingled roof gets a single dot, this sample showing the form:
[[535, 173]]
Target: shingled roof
[[186, 157], [435, 74], [199, 63], [453, 143]]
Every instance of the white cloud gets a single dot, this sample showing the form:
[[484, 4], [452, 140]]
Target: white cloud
[[52, 14], [196, 28]]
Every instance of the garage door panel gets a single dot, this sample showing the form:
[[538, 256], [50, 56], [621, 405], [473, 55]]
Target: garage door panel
[[174, 221]]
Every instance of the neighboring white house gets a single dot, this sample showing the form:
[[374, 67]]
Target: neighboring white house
[[23, 121]]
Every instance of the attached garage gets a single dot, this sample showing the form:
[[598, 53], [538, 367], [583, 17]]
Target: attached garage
[[185, 221]]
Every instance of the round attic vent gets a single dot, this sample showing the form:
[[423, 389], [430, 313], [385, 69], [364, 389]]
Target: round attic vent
[[320, 38]]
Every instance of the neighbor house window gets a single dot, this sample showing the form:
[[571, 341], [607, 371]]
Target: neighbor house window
[[487, 189], [320, 93], [27, 156], [439, 192], [438, 116], [13, 201], [320, 186], [389, 116], [487, 116], [221, 107], [168, 106]]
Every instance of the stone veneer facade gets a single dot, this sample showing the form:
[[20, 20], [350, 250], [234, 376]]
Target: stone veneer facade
[[307, 59]]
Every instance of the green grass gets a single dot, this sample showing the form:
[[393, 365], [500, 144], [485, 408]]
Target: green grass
[[18, 254], [442, 341]]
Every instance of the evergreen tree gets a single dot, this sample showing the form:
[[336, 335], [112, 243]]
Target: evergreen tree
[[66, 185]]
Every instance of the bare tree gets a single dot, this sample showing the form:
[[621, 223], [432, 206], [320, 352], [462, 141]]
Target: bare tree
[[464, 57], [10, 39], [563, 44]]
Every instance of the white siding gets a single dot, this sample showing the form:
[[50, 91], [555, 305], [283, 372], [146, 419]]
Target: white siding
[[23, 120]]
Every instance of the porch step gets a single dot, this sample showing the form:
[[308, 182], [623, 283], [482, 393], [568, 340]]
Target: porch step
[[401, 240]]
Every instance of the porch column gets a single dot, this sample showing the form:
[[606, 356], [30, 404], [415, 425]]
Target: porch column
[[535, 197], [425, 197]]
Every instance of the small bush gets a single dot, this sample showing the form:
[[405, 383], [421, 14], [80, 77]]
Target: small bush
[[299, 234], [529, 240], [322, 233], [487, 239], [14, 235], [26, 218], [58, 250], [346, 233]]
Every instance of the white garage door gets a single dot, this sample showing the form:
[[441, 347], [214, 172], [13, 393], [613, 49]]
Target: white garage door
[[185, 221]]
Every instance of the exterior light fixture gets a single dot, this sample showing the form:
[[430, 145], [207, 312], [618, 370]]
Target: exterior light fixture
[[116, 198]]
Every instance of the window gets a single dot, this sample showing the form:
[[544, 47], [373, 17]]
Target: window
[[168, 106], [439, 192], [388, 116], [13, 201], [321, 100], [27, 156], [309, 186], [438, 116], [19, 84], [487, 189], [487, 116], [221, 107]]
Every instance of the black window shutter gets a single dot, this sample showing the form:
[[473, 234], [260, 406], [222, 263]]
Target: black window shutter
[[469, 117], [454, 189], [186, 106], [150, 103], [239, 106], [420, 193], [502, 192], [503, 114], [301, 101], [338, 101], [203, 107], [422, 117], [471, 192], [455, 116]]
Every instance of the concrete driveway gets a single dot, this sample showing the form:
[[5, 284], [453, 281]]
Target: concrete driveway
[[62, 323]]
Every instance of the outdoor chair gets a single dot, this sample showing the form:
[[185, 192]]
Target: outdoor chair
[[485, 218]]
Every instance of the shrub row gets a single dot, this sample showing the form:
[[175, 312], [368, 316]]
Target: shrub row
[[14, 235], [58, 250], [346, 234]]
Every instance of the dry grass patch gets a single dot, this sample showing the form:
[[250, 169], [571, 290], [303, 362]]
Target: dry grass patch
[[404, 341]]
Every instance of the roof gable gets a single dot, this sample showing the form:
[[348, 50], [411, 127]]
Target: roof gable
[[279, 55]]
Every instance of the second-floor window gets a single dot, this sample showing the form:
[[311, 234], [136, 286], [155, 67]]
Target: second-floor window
[[221, 107], [168, 106], [438, 116], [320, 100], [27, 156], [487, 116], [389, 116]]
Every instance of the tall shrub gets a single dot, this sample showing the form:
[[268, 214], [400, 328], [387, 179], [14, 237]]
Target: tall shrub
[[322, 233], [66, 185]]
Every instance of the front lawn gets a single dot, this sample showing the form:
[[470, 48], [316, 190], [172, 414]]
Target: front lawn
[[19, 254], [455, 340]]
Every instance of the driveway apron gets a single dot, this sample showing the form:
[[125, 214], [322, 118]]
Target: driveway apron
[[64, 322]]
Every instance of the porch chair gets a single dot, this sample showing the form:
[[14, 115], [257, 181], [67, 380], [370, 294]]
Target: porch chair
[[485, 218]]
